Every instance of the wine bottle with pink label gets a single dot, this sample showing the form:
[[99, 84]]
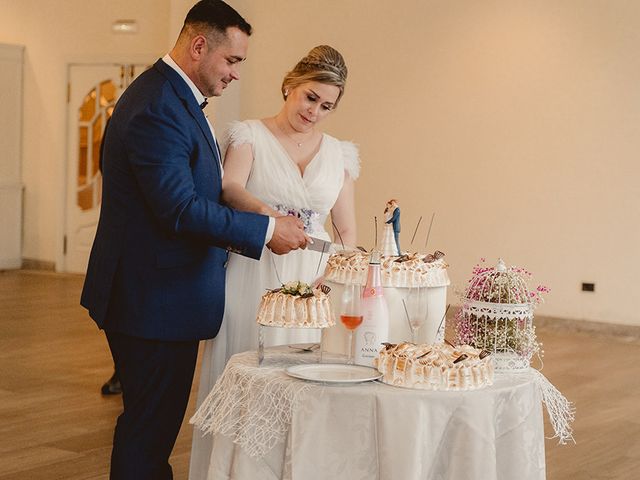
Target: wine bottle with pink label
[[375, 312]]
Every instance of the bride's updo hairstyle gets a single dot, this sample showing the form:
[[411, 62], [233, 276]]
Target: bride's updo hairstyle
[[323, 64]]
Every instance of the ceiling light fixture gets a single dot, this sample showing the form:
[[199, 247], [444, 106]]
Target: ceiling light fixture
[[124, 26]]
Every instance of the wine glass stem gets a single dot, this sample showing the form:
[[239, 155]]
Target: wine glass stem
[[350, 349]]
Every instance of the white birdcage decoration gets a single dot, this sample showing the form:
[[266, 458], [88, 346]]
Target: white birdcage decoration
[[497, 316]]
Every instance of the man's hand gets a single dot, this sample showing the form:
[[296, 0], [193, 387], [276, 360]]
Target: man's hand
[[288, 235]]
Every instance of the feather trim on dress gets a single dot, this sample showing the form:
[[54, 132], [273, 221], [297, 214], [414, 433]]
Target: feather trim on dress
[[238, 133], [351, 159]]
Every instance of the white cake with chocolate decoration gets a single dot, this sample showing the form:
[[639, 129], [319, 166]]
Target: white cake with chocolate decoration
[[296, 305], [435, 367], [403, 271]]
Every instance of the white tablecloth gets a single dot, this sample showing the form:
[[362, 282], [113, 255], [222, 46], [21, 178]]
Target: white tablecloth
[[376, 431]]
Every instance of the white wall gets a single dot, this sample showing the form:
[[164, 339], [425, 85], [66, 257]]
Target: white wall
[[515, 121], [56, 33]]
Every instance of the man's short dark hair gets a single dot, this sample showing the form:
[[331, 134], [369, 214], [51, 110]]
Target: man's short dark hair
[[216, 14]]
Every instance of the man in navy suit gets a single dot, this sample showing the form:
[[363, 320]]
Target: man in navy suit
[[155, 280]]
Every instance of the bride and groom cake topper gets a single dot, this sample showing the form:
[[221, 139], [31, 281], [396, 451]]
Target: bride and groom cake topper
[[391, 237]]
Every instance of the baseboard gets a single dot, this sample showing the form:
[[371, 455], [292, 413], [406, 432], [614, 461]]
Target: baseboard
[[33, 264], [588, 326], [10, 263], [631, 332]]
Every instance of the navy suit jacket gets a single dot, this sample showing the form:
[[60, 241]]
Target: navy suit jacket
[[157, 266]]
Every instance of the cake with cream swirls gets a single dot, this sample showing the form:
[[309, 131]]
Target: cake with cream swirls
[[435, 367], [404, 271], [296, 305]]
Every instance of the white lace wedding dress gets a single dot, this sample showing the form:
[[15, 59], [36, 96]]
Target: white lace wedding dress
[[276, 180]]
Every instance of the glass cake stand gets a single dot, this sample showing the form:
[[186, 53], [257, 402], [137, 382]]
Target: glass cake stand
[[288, 354]]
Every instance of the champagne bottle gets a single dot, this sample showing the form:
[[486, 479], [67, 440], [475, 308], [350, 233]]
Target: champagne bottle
[[375, 312]]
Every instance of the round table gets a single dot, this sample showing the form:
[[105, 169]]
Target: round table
[[369, 430]]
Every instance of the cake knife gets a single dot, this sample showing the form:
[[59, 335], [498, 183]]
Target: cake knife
[[319, 245]]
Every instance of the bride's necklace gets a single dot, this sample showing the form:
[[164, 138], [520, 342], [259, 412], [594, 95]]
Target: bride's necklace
[[296, 142]]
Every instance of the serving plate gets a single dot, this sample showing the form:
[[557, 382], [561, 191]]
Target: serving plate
[[333, 373]]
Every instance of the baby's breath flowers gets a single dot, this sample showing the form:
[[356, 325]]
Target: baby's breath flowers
[[497, 311]]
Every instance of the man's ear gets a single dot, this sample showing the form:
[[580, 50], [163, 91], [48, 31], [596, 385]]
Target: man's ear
[[198, 47]]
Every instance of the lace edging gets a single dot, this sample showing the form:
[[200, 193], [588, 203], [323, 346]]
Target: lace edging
[[560, 410], [250, 405]]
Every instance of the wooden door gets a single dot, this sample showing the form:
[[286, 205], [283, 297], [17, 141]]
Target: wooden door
[[11, 59], [92, 93]]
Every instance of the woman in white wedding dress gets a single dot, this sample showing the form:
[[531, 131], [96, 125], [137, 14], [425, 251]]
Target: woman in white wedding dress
[[282, 165]]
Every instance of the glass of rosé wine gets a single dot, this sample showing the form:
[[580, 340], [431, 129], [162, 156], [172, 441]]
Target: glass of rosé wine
[[351, 313]]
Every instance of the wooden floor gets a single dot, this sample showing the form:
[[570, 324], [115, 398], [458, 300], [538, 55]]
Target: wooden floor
[[54, 424]]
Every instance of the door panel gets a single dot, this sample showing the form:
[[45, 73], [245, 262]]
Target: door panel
[[93, 92]]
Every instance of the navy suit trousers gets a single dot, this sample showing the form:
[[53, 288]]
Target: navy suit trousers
[[156, 379]]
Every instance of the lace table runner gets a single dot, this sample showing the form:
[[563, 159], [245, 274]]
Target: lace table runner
[[251, 404]]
